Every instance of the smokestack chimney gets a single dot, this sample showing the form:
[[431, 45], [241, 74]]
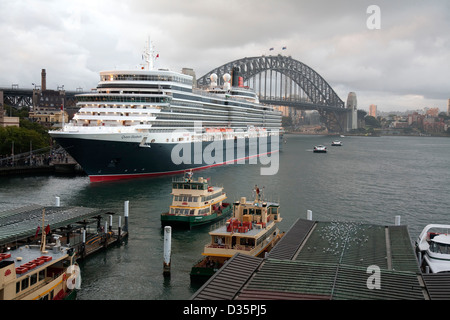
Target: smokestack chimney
[[43, 80]]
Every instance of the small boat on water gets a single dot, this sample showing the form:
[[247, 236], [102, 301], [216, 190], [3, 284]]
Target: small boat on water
[[195, 203], [252, 230], [320, 149], [39, 272], [336, 143], [433, 248]]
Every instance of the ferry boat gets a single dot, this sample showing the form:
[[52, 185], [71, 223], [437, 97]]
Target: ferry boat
[[195, 203], [320, 149], [252, 230], [433, 248], [39, 272], [151, 122]]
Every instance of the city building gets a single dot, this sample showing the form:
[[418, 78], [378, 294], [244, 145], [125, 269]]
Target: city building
[[448, 107], [48, 116], [373, 110], [48, 104], [432, 112], [6, 121]]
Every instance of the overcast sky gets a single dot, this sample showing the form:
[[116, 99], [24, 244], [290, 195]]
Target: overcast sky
[[403, 65]]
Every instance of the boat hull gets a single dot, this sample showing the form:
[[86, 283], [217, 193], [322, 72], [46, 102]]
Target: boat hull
[[104, 160], [191, 221], [209, 265]]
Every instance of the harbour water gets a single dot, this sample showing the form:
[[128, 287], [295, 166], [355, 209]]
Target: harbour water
[[368, 179]]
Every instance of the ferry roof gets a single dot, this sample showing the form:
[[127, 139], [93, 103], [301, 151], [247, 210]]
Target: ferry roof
[[328, 260], [26, 254], [19, 223]]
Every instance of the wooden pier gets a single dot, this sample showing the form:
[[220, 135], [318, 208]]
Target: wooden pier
[[85, 230], [54, 168]]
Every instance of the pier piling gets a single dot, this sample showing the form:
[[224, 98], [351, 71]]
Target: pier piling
[[397, 220], [119, 228], [308, 214], [126, 209], [167, 249]]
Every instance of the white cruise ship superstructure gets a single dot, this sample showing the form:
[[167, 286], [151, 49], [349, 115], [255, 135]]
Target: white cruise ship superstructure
[[152, 122]]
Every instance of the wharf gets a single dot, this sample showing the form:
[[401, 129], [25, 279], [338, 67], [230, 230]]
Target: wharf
[[329, 261], [54, 168], [77, 227]]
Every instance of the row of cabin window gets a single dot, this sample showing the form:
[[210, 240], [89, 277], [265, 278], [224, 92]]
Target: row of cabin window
[[140, 77], [271, 210], [134, 99], [188, 211], [29, 281], [190, 186], [195, 199]]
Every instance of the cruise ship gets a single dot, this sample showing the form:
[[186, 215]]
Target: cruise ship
[[149, 122]]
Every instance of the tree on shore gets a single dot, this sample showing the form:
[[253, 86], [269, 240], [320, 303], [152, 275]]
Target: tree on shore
[[19, 140]]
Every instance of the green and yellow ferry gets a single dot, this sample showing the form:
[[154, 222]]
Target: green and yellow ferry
[[195, 203]]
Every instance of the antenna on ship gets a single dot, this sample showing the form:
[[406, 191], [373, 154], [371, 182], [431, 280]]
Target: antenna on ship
[[148, 55]]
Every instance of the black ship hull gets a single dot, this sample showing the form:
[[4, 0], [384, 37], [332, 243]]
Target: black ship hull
[[115, 160]]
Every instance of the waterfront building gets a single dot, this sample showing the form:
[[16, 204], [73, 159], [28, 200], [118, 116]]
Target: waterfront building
[[49, 116], [48, 105]]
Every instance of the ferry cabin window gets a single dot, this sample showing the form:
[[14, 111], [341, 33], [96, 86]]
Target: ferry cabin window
[[33, 279], [25, 283], [247, 242], [41, 275], [186, 198]]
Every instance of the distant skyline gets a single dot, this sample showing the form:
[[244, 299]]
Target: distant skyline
[[403, 65]]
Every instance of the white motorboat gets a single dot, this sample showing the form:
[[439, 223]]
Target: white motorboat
[[320, 149], [336, 143], [433, 248]]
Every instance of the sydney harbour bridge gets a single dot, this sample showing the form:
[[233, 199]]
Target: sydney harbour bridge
[[283, 81], [278, 80]]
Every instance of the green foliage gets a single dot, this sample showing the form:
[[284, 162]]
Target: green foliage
[[372, 121], [286, 122], [22, 138]]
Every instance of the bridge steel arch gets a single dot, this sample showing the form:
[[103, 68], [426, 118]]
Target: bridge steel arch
[[318, 91]]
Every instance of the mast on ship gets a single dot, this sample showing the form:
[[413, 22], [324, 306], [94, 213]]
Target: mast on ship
[[43, 236], [149, 55]]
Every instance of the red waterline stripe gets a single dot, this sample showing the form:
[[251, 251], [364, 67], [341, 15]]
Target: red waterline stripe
[[100, 178]]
